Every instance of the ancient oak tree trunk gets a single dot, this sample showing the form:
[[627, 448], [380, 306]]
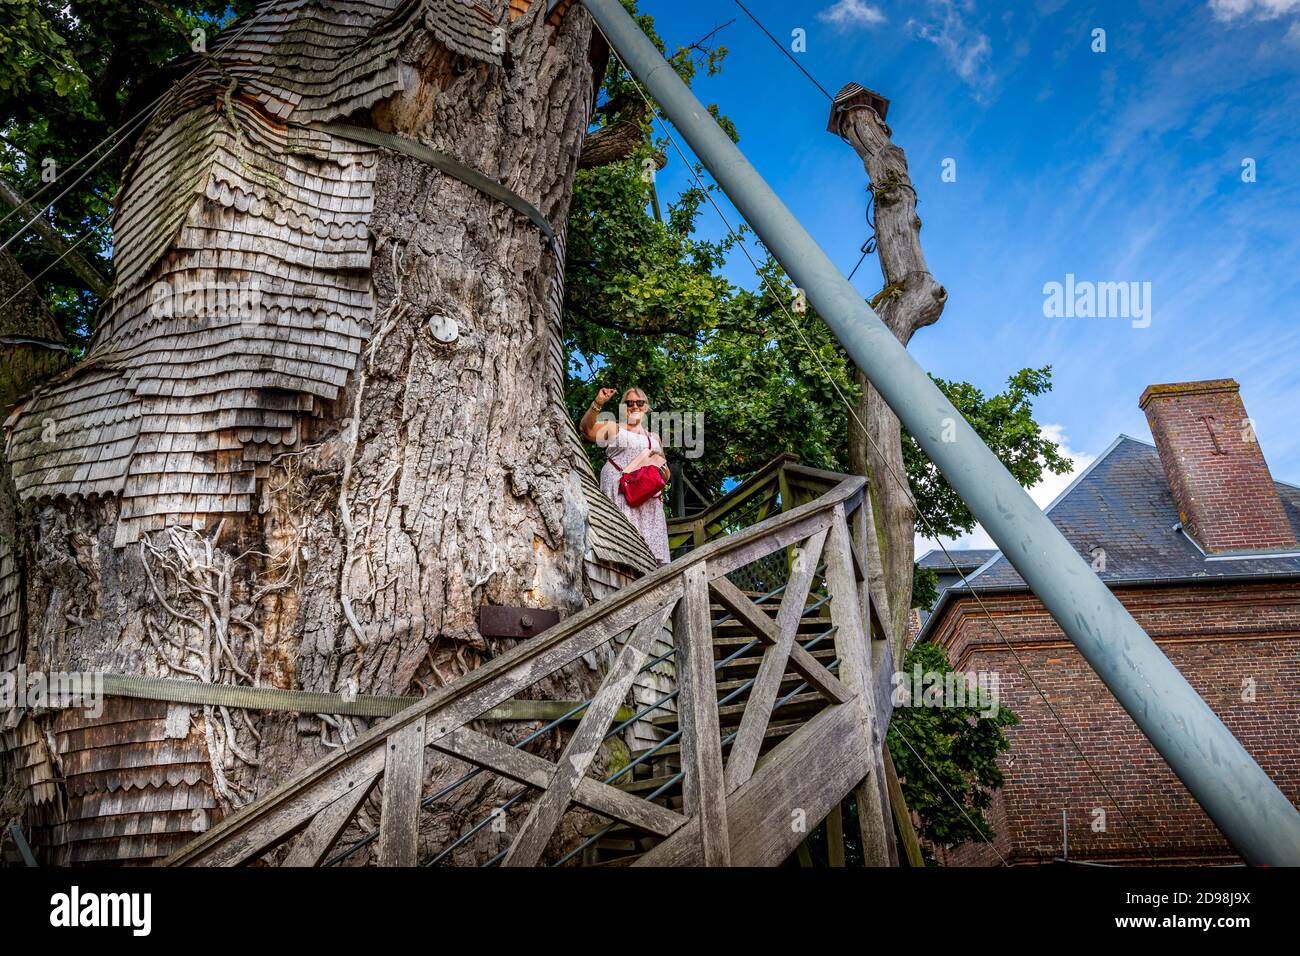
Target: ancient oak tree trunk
[[316, 493], [911, 299]]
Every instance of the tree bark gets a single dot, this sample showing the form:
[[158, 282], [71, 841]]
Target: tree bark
[[441, 479], [911, 299], [612, 143]]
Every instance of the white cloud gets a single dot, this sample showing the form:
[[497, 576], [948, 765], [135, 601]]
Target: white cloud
[[1229, 10], [1043, 493], [965, 47], [1261, 11], [847, 14]]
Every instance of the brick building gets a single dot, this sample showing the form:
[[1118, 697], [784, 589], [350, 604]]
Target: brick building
[[1199, 542]]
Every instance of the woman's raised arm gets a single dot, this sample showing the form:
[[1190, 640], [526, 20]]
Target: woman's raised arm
[[593, 430]]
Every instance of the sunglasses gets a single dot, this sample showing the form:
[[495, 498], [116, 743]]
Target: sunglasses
[[635, 403]]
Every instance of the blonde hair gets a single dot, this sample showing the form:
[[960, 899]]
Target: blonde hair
[[639, 393]]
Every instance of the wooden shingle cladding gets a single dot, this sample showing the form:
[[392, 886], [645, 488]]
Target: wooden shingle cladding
[[10, 611], [130, 784], [228, 194], [242, 250], [176, 412], [31, 346], [309, 60], [27, 754], [138, 783]]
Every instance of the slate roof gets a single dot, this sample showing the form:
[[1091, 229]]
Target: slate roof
[[1122, 503], [965, 559]]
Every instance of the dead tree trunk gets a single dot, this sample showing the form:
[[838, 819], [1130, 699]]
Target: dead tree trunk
[[911, 299], [319, 497]]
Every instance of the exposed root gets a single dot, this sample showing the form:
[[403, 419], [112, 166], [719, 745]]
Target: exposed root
[[191, 582]]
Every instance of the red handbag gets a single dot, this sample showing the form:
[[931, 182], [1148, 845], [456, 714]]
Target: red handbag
[[641, 485]]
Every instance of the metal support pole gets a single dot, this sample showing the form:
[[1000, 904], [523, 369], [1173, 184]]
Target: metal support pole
[[1241, 799]]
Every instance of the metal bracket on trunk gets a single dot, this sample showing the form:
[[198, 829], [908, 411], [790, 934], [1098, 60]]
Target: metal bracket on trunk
[[504, 620]]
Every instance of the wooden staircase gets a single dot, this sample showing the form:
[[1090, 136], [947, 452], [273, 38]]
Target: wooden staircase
[[779, 714], [738, 657]]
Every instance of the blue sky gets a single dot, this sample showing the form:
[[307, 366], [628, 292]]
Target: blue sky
[[1124, 165]]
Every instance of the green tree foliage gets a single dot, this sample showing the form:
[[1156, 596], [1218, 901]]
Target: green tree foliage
[[925, 587], [72, 74], [1006, 424], [959, 746]]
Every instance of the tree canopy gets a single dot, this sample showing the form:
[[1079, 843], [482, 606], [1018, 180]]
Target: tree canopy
[[946, 756], [72, 74]]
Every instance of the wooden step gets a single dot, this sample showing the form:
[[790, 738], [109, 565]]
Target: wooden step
[[648, 785], [617, 861], [736, 632], [729, 714], [613, 847], [775, 731], [746, 665], [789, 682], [724, 646], [802, 705], [770, 605]]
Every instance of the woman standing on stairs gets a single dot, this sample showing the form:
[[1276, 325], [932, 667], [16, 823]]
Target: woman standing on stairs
[[630, 447]]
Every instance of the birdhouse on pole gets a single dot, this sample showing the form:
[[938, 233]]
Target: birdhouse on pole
[[852, 96]]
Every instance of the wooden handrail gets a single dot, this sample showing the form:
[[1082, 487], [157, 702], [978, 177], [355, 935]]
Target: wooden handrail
[[818, 475], [732, 499]]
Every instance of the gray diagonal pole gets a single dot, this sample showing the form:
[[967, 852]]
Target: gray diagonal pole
[[1241, 799]]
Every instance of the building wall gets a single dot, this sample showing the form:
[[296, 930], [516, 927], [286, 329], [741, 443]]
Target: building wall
[[1225, 639]]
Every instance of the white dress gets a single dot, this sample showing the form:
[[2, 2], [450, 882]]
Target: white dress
[[649, 517]]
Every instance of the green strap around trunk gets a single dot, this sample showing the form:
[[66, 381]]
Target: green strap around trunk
[[444, 163]]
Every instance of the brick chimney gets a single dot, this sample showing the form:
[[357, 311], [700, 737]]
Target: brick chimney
[[1225, 495]]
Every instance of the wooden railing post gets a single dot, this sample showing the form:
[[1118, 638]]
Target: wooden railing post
[[902, 817], [703, 789], [854, 652], [787, 503], [399, 821]]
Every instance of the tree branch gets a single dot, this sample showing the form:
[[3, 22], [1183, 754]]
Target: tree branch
[[80, 265], [911, 299]]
